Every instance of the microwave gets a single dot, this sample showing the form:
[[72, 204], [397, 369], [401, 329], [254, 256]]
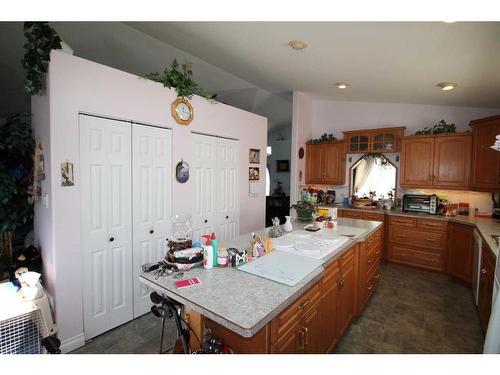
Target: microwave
[[420, 203]]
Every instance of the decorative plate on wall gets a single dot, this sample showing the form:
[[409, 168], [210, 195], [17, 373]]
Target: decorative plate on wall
[[182, 171]]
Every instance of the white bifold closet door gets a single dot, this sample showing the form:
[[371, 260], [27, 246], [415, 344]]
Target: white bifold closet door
[[126, 182], [215, 175], [227, 188], [106, 198], [152, 202]]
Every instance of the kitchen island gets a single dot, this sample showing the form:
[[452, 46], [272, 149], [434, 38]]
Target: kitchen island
[[256, 315]]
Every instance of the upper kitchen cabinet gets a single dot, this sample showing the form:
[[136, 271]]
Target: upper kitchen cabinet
[[436, 161], [373, 140], [485, 161], [325, 163]]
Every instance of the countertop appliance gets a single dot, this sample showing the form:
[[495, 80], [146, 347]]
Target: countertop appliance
[[476, 265], [492, 341], [420, 203]]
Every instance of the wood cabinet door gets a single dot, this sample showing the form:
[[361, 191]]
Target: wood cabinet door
[[314, 164], [358, 143], [486, 281], [289, 342], [328, 318], [485, 161], [312, 330], [334, 163], [452, 161], [350, 214], [347, 287], [417, 161], [460, 251]]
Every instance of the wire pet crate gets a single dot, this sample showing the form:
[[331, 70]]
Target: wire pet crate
[[21, 334]]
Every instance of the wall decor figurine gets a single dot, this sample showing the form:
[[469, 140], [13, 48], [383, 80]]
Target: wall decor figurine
[[254, 156], [182, 171], [67, 178], [254, 173]]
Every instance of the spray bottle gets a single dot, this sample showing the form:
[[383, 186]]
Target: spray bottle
[[215, 246], [208, 250]]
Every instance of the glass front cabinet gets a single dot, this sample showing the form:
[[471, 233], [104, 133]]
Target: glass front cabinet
[[374, 140]]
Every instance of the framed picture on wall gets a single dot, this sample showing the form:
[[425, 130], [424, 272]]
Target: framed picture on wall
[[254, 156], [282, 166], [254, 173]]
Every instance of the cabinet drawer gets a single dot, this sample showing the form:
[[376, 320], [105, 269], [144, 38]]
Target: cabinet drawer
[[416, 257], [281, 324], [332, 276], [351, 214], [374, 239], [403, 221], [373, 216], [418, 238], [440, 225]]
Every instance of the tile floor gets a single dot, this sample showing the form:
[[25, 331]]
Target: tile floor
[[415, 311], [412, 311]]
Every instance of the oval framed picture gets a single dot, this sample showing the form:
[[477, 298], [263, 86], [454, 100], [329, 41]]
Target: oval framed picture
[[182, 171], [301, 153]]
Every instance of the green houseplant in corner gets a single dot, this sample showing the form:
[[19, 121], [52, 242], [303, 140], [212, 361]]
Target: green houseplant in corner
[[17, 147], [182, 80], [40, 40]]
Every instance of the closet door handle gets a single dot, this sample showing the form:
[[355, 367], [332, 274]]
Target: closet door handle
[[151, 231], [227, 217], [111, 239], [206, 221]]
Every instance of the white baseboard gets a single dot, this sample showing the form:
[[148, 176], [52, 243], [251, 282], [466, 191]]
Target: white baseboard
[[72, 343]]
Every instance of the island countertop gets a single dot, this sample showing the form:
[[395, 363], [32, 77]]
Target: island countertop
[[242, 302]]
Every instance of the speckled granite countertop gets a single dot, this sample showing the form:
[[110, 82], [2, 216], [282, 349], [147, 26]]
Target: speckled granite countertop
[[485, 226], [242, 302]]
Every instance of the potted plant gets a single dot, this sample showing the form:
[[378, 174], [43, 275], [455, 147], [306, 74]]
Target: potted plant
[[305, 207]]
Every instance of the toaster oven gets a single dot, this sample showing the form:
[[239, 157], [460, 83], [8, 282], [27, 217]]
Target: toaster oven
[[420, 203]]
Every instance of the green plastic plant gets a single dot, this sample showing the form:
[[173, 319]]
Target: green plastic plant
[[17, 147], [40, 40], [325, 138], [182, 80], [441, 127]]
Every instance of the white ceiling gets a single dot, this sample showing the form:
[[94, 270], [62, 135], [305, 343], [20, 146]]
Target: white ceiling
[[382, 61]]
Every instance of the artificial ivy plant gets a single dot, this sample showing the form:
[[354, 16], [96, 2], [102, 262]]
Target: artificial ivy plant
[[40, 40], [325, 138], [440, 128], [182, 80]]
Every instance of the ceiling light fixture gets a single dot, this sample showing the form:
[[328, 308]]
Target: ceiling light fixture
[[342, 85], [446, 86], [297, 44]]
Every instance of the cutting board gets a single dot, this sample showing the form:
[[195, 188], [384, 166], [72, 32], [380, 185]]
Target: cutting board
[[284, 268]]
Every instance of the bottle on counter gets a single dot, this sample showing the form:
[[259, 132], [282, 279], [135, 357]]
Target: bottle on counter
[[215, 246], [208, 253]]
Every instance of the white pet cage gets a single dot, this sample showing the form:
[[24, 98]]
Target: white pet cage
[[23, 323]]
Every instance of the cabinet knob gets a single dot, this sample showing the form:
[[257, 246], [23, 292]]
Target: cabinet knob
[[483, 271], [206, 221], [111, 239], [151, 231], [227, 217]]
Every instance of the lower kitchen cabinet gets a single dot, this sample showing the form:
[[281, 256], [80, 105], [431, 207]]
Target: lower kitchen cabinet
[[369, 266], [460, 252], [328, 308], [347, 289], [486, 282], [289, 342]]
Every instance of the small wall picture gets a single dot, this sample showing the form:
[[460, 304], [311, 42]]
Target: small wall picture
[[282, 165], [67, 178], [254, 156], [182, 171], [254, 173]]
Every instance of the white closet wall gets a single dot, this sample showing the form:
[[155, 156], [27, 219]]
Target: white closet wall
[[105, 151], [152, 202], [126, 172], [214, 172]]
